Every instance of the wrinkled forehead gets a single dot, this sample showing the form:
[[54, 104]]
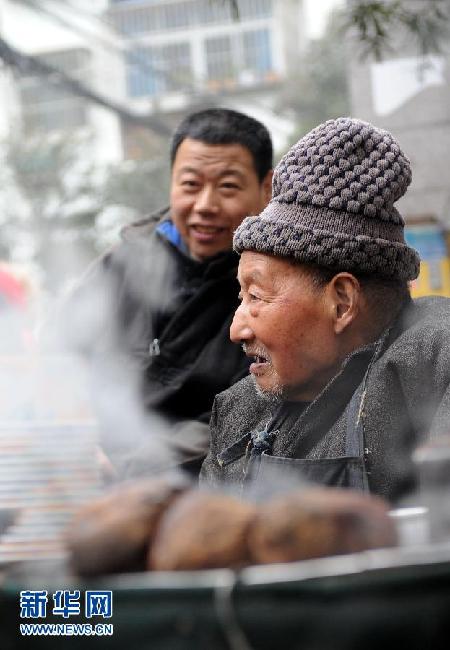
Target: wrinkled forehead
[[262, 267], [275, 271]]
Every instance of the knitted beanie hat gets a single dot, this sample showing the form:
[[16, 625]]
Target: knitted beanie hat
[[333, 203]]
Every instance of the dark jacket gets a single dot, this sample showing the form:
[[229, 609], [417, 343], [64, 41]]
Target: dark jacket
[[169, 315], [404, 388]]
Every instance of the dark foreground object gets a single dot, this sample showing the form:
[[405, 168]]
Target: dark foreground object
[[372, 600]]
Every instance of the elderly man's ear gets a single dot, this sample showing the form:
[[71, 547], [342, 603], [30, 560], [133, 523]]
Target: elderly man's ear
[[267, 186], [344, 294]]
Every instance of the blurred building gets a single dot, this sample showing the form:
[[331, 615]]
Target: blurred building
[[160, 57], [410, 96], [74, 43], [186, 53], [188, 46]]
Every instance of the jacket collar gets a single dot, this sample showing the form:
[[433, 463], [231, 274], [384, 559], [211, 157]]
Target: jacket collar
[[161, 225]]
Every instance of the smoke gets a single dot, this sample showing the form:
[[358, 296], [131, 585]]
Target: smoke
[[72, 410], [47, 443], [109, 319]]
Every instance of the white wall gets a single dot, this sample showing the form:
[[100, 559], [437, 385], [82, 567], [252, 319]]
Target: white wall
[[31, 33]]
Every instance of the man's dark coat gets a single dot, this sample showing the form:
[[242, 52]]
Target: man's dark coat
[[406, 400], [170, 316]]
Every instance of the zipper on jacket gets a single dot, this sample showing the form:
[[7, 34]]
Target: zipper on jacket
[[154, 350]]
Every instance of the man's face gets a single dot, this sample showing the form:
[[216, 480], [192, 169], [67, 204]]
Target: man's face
[[285, 324], [213, 188]]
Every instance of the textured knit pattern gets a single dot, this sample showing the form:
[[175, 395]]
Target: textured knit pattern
[[333, 203]]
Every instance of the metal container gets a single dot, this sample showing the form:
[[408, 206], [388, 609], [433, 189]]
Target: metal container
[[433, 463]]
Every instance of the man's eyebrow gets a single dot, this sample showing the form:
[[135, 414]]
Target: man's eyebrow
[[254, 276], [226, 172], [231, 172]]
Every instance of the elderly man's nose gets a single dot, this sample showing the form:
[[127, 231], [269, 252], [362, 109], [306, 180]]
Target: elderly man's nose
[[239, 330], [206, 200]]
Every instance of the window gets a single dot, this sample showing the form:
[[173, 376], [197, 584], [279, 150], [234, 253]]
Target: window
[[238, 53], [219, 57], [46, 104], [155, 70], [255, 9], [132, 19], [257, 51], [245, 57], [136, 20], [213, 12]]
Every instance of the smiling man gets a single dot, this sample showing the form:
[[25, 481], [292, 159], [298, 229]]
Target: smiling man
[[213, 187], [171, 284], [347, 373]]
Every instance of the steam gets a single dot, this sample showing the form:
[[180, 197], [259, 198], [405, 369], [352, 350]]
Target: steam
[[67, 421], [113, 337], [47, 443]]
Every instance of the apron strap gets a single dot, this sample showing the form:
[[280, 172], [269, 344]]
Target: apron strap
[[355, 444], [354, 435]]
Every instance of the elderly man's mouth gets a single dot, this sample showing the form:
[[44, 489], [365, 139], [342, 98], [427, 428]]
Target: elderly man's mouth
[[260, 359], [259, 365]]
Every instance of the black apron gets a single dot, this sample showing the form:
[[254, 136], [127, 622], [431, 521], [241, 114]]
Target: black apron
[[348, 471], [262, 471]]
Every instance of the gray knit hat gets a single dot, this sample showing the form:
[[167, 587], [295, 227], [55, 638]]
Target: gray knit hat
[[333, 203]]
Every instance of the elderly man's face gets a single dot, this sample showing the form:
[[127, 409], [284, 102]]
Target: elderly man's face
[[213, 188], [285, 324]]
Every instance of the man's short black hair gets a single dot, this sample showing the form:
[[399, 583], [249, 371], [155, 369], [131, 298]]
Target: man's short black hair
[[224, 126]]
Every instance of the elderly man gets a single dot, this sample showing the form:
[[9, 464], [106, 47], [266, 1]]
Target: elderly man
[[163, 300], [348, 374]]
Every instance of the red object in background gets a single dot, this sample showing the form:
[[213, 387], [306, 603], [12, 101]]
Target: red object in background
[[12, 289]]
